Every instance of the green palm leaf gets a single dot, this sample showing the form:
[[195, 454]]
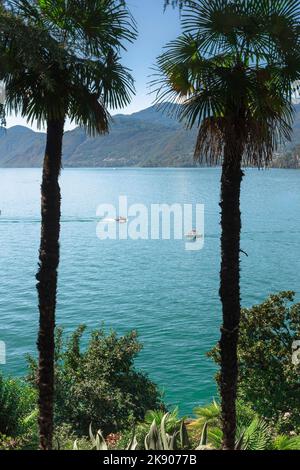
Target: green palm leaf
[[74, 69], [234, 61]]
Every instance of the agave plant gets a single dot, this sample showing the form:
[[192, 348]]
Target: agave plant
[[99, 443], [172, 420], [133, 444], [253, 433], [204, 445], [159, 439]]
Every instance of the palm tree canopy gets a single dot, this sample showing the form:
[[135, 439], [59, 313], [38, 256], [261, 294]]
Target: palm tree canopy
[[79, 73], [15, 51], [236, 61]]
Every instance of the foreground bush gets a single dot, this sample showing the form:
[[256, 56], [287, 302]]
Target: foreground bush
[[156, 437], [167, 432], [268, 379], [18, 414], [253, 431], [17, 406], [99, 384]]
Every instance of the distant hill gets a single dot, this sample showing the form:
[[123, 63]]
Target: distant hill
[[148, 138]]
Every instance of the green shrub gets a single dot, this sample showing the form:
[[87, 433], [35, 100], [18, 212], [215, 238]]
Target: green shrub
[[99, 384], [268, 379], [64, 438], [18, 403]]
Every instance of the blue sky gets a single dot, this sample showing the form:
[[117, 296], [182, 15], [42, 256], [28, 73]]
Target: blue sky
[[156, 28]]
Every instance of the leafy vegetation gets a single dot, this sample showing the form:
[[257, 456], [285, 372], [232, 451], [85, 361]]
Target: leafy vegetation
[[171, 421], [283, 442], [99, 384], [17, 406], [268, 378], [64, 438], [253, 433], [157, 436], [97, 442], [97, 387], [18, 414]]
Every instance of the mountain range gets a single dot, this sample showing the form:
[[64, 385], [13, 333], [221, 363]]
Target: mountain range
[[148, 138]]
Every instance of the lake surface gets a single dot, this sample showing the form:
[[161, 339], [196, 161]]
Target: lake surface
[[168, 294]]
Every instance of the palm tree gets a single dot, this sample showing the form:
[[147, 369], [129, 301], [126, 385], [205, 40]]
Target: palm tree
[[233, 71], [80, 83]]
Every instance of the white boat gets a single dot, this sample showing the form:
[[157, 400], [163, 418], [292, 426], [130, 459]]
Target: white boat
[[193, 235], [121, 220]]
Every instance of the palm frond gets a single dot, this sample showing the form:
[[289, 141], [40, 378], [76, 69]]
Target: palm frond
[[86, 110], [255, 436], [233, 71], [70, 63], [210, 414], [86, 27]]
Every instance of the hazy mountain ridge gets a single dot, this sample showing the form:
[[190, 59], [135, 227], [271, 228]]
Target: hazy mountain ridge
[[144, 139]]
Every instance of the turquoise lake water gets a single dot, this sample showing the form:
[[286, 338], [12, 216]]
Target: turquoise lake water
[[168, 294]]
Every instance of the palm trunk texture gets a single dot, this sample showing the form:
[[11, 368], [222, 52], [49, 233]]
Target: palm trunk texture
[[47, 277], [232, 176]]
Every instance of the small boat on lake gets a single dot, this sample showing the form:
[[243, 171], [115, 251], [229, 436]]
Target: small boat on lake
[[121, 220], [193, 235]]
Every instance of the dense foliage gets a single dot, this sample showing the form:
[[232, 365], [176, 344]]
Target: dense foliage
[[17, 406], [99, 384], [268, 377], [253, 431]]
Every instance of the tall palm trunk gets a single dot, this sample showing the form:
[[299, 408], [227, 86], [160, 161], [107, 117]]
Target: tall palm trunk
[[230, 286], [47, 277]]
